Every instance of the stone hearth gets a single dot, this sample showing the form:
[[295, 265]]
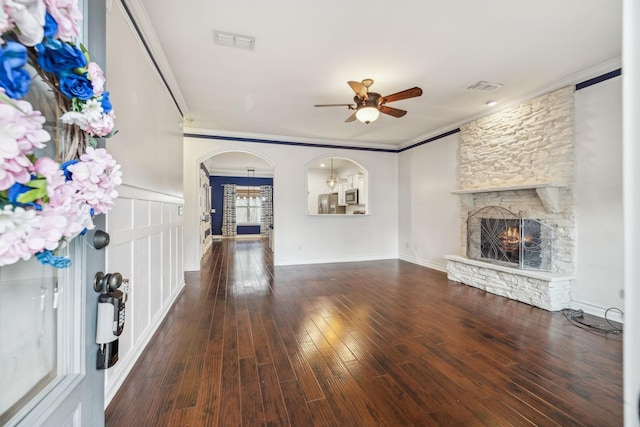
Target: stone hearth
[[550, 291]]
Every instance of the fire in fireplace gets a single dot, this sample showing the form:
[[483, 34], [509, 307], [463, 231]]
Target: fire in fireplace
[[509, 241], [495, 234]]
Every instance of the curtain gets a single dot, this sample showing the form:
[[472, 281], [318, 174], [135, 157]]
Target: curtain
[[266, 217], [229, 210]]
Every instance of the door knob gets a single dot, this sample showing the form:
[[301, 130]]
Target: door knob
[[109, 282], [98, 239]]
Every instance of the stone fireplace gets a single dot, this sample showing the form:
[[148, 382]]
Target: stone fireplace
[[516, 189]]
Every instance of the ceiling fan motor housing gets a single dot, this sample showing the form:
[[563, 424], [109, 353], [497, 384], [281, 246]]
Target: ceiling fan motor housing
[[373, 101]]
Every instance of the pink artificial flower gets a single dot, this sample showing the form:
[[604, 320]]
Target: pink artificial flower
[[97, 78], [16, 169], [95, 177], [103, 126], [77, 217], [48, 234], [66, 14], [32, 121], [54, 176], [20, 133], [23, 127], [28, 16], [16, 224]]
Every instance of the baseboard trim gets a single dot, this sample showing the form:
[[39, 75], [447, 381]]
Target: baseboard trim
[[596, 310], [425, 263], [330, 260]]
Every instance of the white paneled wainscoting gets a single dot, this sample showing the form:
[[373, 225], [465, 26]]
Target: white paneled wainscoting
[[146, 230]]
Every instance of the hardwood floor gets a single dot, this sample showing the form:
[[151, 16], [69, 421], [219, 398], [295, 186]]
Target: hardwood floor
[[383, 343]]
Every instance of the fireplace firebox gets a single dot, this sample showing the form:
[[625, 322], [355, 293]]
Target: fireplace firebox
[[497, 235]]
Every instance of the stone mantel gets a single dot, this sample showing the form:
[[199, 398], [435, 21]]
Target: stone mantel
[[548, 193]]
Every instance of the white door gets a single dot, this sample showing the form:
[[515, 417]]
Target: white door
[[48, 320]]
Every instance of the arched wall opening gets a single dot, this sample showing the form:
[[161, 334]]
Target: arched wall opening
[[249, 172]]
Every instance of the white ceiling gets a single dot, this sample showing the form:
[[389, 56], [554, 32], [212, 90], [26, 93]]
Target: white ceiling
[[305, 52]]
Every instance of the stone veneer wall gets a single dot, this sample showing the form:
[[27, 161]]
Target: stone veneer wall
[[531, 143]]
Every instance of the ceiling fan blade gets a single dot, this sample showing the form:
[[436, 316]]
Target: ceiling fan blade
[[335, 105], [351, 118], [395, 112], [409, 93], [359, 89]]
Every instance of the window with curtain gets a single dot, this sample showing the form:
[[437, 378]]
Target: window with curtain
[[248, 205]]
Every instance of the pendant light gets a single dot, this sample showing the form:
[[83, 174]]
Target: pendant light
[[331, 181]]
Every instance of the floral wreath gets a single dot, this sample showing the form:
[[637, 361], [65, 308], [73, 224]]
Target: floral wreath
[[46, 202]]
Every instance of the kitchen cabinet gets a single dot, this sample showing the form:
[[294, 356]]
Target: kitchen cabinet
[[362, 191], [341, 187]]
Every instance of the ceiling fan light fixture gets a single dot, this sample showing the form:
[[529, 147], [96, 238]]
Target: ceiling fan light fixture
[[367, 114]]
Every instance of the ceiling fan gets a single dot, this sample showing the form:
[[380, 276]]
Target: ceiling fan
[[368, 105]]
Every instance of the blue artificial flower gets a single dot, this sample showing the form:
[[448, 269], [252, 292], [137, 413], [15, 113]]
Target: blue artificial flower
[[106, 103], [47, 257], [15, 191], [13, 77], [50, 26], [60, 57], [76, 86], [65, 168]]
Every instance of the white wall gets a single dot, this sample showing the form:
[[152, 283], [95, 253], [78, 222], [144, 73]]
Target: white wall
[[301, 238], [146, 230], [429, 214], [149, 142], [631, 197], [598, 198]]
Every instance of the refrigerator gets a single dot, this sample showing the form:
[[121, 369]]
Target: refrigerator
[[328, 204]]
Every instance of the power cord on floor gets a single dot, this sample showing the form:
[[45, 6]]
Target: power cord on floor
[[577, 318]]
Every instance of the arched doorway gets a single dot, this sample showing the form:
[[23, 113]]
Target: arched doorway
[[240, 197]]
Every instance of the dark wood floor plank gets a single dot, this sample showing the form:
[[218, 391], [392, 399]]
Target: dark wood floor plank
[[345, 397], [307, 380], [322, 414], [385, 343], [295, 404], [278, 351], [230, 405], [275, 411], [250, 394], [245, 336]]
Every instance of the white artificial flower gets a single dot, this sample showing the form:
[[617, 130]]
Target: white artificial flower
[[29, 17], [75, 118]]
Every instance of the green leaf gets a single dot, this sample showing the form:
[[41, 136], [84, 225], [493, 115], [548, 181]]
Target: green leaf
[[86, 52], [76, 104], [38, 183], [32, 195]]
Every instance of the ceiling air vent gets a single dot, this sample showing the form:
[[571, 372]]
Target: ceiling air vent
[[485, 86], [233, 40]]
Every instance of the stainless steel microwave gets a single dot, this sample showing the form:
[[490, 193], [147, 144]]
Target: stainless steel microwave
[[351, 196]]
